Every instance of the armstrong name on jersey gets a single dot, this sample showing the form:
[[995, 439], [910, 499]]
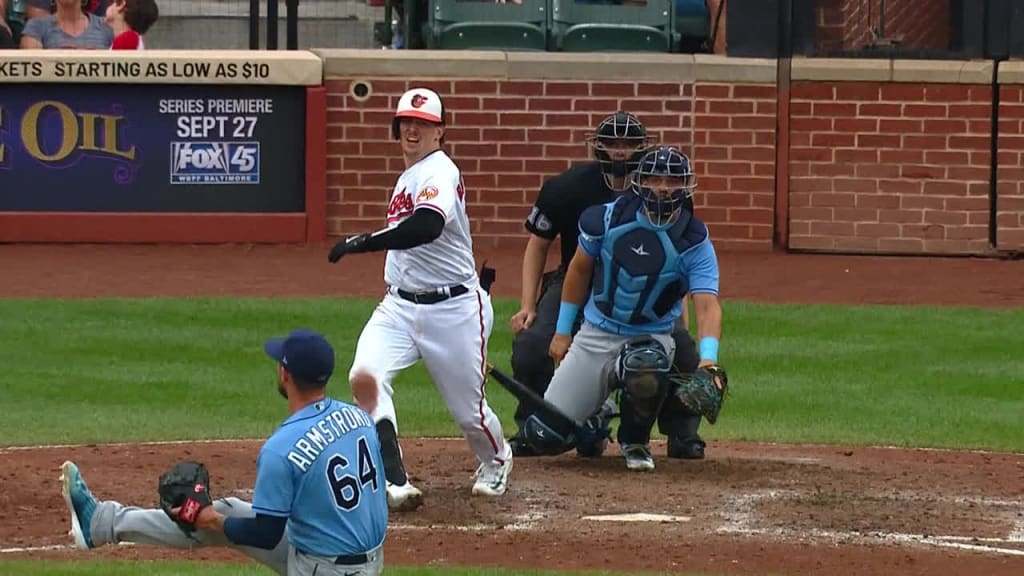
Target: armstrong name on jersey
[[324, 432]]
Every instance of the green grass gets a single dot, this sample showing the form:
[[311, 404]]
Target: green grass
[[34, 568], [151, 369]]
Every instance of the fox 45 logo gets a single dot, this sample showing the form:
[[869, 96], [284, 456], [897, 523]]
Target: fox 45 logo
[[215, 162]]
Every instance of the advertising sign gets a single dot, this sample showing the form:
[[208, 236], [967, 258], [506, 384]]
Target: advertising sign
[[152, 148]]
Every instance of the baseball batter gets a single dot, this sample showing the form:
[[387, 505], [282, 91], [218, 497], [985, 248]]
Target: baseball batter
[[617, 144], [435, 308], [644, 252], [320, 475]]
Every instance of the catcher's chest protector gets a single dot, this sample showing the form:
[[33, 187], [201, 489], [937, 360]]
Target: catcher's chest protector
[[637, 279]]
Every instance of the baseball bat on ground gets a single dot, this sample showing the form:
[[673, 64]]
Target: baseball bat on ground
[[531, 398]]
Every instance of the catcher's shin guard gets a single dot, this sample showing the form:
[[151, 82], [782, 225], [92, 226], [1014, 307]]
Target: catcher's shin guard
[[391, 453], [642, 375], [544, 439]]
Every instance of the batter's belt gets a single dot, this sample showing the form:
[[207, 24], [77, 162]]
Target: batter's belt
[[432, 296]]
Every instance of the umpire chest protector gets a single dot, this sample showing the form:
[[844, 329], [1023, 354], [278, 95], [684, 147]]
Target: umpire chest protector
[[638, 277]]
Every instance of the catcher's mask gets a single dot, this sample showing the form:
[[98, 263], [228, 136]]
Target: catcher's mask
[[422, 103], [618, 143], [665, 181]]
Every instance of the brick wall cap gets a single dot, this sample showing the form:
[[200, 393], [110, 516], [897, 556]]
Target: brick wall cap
[[717, 68], [414, 63], [1011, 72], [943, 71], [865, 70]]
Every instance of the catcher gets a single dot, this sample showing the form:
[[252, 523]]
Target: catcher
[[320, 475], [644, 252]]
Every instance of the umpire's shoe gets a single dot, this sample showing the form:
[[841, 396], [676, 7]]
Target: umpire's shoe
[[81, 503], [690, 448]]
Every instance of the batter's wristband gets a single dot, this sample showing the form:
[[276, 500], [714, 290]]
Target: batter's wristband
[[709, 349], [566, 317]]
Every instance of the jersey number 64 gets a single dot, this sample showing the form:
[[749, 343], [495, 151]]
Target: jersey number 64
[[347, 488]]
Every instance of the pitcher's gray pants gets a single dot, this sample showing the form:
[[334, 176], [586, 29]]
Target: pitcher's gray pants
[[113, 522], [302, 564]]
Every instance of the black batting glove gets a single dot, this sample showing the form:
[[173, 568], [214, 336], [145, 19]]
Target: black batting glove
[[350, 245]]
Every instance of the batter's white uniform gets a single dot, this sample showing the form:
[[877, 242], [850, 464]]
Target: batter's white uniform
[[449, 336]]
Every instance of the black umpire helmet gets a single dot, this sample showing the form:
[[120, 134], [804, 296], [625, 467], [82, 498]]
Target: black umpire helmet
[[614, 131]]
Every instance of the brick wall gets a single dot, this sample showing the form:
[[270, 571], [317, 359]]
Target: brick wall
[[1010, 191], [734, 151], [509, 135], [878, 156], [889, 167], [852, 24]]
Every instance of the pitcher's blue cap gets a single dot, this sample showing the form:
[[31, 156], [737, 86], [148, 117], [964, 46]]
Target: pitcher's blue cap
[[306, 354]]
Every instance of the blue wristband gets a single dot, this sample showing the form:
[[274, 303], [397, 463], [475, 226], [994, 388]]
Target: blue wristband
[[566, 317], [709, 349]]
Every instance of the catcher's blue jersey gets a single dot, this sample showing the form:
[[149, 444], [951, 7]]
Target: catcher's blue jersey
[[322, 470], [641, 271]]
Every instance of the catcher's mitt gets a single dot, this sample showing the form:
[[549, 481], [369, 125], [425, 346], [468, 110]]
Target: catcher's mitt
[[703, 391], [186, 485]]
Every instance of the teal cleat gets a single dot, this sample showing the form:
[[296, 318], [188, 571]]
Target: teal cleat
[[81, 503]]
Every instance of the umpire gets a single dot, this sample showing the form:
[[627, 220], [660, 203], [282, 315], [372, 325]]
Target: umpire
[[617, 145]]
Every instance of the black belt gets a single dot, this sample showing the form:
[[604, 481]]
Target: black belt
[[350, 560], [432, 297]]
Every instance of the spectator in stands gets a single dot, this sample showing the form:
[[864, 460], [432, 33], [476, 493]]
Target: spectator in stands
[[37, 8], [69, 27], [130, 19], [12, 20]]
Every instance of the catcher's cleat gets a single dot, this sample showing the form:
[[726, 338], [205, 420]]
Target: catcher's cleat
[[404, 497], [492, 478], [691, 448], [638, 457], [81, 503]]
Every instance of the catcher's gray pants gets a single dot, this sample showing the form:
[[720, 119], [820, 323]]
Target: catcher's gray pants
[[580, 383], [302, 564], [113, 522]]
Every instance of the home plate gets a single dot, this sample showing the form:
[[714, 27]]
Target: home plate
[[638, 517]]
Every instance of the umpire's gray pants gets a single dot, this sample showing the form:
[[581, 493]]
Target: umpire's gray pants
[[302, 564], [113, 522], [580, 384]]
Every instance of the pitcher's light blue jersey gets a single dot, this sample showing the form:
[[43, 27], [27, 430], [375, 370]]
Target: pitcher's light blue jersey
[[322, 469]]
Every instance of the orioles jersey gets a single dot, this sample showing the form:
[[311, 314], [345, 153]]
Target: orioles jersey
[[433, 183]]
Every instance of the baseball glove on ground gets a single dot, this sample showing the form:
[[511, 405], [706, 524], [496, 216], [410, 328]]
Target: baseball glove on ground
[[186, 485], [703, 391]]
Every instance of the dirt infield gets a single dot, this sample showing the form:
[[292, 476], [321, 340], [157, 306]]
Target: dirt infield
[[747, 509]]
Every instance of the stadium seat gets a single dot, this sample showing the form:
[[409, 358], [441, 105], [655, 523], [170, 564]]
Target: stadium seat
[[692, 24], [581, 26], [484, 25]]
